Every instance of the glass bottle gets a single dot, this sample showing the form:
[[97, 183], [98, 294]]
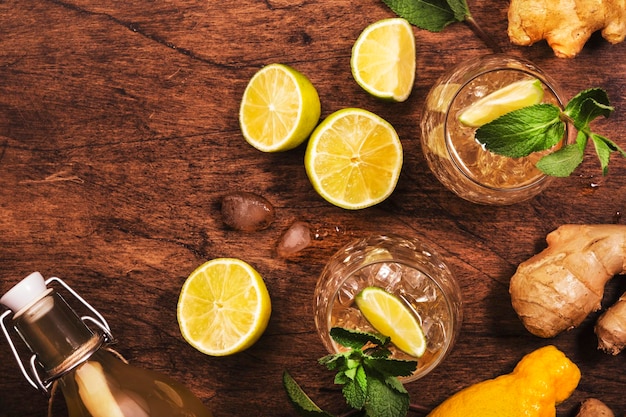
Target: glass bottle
[[95, 382], [461, 163]]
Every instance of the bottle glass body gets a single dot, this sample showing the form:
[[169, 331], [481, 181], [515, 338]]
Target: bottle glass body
[[94, 381], [105, 386]]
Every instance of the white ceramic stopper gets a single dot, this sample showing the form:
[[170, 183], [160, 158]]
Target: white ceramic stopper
[[24, 292]]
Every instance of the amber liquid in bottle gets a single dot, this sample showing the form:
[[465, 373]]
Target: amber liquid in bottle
[[94, 381]]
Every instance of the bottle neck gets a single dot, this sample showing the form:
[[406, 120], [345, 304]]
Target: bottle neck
[[55, 334]]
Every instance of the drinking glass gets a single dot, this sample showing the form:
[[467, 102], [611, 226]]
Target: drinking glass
[[454, 156], [405, 267]]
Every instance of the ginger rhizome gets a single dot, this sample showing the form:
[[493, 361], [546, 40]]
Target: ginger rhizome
[[541, 380], [566, 24], [556, 289], [611, 328]]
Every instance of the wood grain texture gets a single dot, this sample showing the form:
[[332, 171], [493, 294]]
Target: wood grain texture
[[119, 135]]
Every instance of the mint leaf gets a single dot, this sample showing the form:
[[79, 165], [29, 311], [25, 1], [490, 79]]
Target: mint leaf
[[355, 339], [391, 367], [562, 162], [302, 403], [432, 15], [395, 384], [459, 8], [355, 390], [385, 401], [522, 132], [586, 106], [604, 147], [336, 361], [603, 151]]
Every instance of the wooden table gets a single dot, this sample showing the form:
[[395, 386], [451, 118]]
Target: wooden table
[[119, 135]]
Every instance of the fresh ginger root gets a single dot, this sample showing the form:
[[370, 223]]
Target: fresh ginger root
[[566, 24], [611, 328], [594, 408], [558, 288], [540, 381]]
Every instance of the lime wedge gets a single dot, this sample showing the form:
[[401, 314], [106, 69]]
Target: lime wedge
[[354, 158], [383, 59], [279, 109], [504, 100], [391, 317]]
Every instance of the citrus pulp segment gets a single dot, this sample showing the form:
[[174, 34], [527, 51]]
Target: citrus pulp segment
[[279, 109], [224, 307], [383, 59], [391, 317], [504, 100], [353, 159]]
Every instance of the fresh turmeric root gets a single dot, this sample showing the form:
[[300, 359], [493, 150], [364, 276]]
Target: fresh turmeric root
[[558, 288], [540, 381], [566, 24]]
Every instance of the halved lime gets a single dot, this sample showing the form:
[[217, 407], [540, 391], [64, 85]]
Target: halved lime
[[279, 109], [383, 59], [504, 100], [353, 159], [391, 317], [224, 307]]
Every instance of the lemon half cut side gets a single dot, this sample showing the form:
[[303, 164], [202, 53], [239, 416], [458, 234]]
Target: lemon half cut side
[[224, 307], [383, 59], [354, 158]]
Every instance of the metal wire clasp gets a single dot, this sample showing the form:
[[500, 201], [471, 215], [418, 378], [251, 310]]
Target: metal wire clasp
[[32, 369]]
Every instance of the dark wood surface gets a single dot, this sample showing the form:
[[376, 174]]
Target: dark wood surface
[[119, 135]]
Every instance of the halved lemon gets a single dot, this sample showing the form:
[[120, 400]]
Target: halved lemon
[[504, 100], [353, 159], [224, 307], [383, 59], [279, 109], [391, 317]]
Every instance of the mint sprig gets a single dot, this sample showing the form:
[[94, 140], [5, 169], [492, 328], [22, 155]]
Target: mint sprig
[[540, 127], [435, 15], [368, 375]]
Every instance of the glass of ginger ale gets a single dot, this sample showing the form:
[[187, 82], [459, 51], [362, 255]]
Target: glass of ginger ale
[[409, 270], [455, 157]]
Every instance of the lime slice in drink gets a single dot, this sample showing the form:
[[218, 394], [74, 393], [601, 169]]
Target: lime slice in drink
[[279, 109], [383, 59], [223, 307], [504, 100], [353, 159], [391, 317]]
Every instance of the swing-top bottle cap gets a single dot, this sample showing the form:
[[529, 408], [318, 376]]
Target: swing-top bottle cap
[[24, 292]]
